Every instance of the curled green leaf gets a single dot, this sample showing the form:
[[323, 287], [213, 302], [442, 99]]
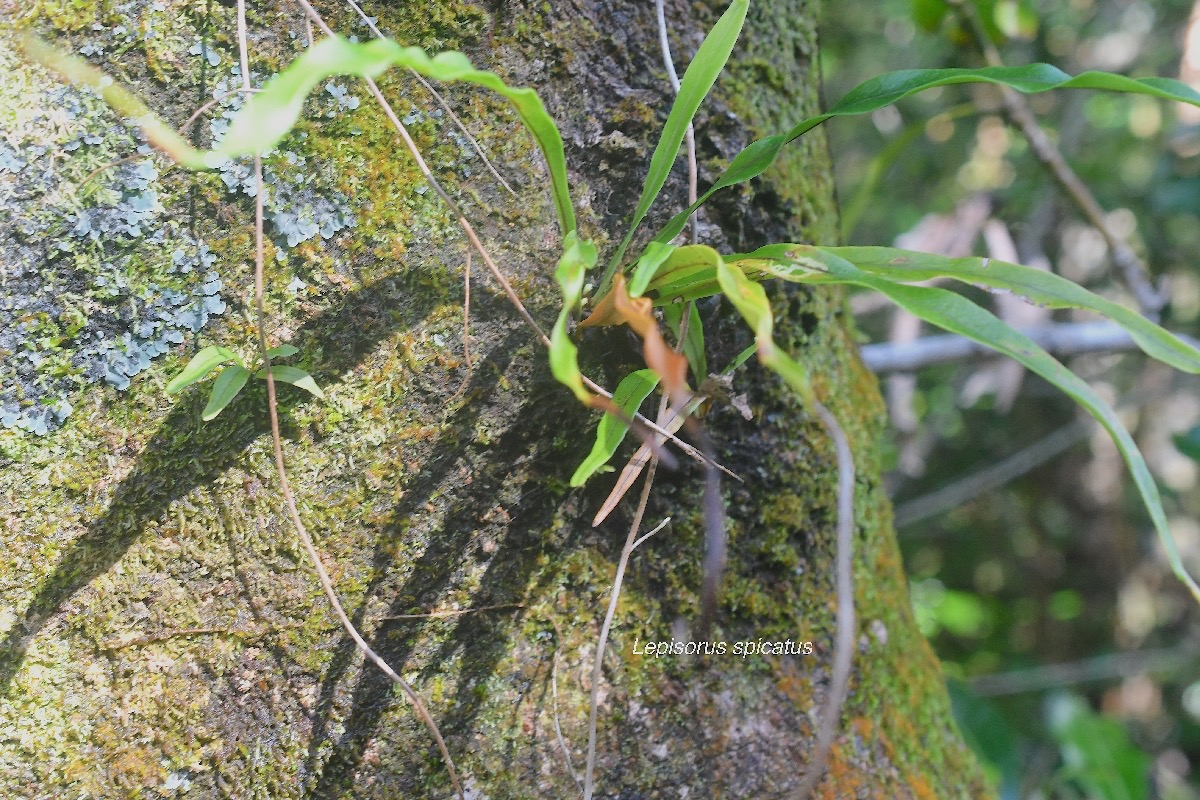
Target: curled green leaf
[[751, 301], [271, 113], [578, 257]]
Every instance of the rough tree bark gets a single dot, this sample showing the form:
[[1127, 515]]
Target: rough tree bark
[[162, 630]]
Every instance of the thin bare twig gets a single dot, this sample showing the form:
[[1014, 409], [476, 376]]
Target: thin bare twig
[[589, 785], [562, 742], [994, 476], [843, 649], [277, 445], [690, 137], [467, 313], [1132, 269], [1089, 670], [455, 613], [657, 528], [442, 102], [1060, 339]]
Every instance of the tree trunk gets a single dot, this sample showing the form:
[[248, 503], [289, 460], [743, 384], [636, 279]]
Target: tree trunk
[[163, 629]]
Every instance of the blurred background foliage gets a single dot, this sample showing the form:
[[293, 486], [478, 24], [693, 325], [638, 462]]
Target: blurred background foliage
[[1072, 653]]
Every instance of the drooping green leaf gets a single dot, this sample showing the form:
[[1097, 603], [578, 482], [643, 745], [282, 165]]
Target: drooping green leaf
[[873, 94], [578, 257], [1037, 286], [271, 113], [956, 314], [282, 351], [293, 375], [697, 81], [201, 364], [611, 431], [224, 389], [751, 301]]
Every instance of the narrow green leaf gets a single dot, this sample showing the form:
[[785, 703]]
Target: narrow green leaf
[[886, 89], [294, 376], [224, 389], [271, 113], [282, 351], [1037, 286], [751, 301], [697, 81], [956, 314], [201, 364], [611, 431], [578, 257]]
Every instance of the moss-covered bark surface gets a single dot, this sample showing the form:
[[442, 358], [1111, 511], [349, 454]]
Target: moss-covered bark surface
[[163, 635]]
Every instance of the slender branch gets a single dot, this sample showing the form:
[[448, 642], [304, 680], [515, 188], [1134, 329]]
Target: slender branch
[[562, 742], [1059, 339], [1090, 670], [454, 613], [657, 528], [630, 542], [1133, 270], [277, 446], [690, 136], [992, 477], [843, 648]]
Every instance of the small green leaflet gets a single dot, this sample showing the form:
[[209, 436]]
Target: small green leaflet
[[886, 89], [577, 258], [224, 389], [294, 376], [611, 430], [697, 81], [201, 364], [959, 315], [282, 351]]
